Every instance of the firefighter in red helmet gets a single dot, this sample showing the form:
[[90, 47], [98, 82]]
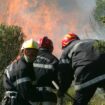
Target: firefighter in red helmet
[[82, 61], [69, 38], [46, 43], [45, 67]]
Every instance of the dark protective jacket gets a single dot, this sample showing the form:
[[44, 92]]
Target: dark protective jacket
[[45, 67], [83, 61], [19, 77]]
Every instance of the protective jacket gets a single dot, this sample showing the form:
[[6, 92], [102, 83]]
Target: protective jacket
[[19, 78], [83, 61], [45, 67]]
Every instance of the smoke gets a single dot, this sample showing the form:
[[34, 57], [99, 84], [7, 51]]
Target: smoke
[[50, 17]]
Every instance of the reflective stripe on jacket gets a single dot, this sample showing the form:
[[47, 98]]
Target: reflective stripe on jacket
[[83, 60]]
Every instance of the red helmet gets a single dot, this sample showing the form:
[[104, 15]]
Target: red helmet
[[69, 38], [45, 42]]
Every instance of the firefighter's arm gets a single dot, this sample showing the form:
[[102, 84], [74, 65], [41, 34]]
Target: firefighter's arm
[[27, 89], [65, 77], [10, 95]]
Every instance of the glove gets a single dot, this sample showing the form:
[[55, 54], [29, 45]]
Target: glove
[[5, 101]]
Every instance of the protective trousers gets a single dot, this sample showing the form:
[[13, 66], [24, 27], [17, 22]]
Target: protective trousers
[[84, 96]]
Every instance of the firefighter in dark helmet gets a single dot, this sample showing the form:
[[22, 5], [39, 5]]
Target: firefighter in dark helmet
[[82, 61], [45, 67]]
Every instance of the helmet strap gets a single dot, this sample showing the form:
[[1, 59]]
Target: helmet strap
[[26, 58]]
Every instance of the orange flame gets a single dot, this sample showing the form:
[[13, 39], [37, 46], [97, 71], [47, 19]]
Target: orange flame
[[41, 17]]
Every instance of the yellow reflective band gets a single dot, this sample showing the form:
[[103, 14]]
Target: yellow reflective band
[[45, 66], [90, 82], [21, 80], [65, 61]]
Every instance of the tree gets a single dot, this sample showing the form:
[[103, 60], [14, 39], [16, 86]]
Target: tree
[[11, 38], [99, 12]]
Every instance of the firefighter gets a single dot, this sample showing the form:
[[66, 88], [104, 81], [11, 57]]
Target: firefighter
[[83, 62], [45, 67], [19, 77]]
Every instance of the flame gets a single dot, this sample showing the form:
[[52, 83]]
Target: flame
[[41, 17]]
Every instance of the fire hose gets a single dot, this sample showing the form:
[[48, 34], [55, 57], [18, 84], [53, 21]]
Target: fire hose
[[66, 94]]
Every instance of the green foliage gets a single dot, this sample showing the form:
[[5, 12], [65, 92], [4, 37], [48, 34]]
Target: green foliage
[[97, 99], [100, 45], [11, 38], [99, 12]]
